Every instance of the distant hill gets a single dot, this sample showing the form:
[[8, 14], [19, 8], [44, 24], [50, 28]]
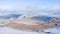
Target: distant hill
[[43, 18], [10, 16]]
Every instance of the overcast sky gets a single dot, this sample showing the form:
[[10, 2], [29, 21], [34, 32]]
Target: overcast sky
[[29, 6]]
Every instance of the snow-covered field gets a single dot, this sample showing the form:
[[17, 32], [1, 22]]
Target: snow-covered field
[[6, 30]]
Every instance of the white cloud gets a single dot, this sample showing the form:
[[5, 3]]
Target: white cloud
[[5, 7], [55, 8], [30, 8]]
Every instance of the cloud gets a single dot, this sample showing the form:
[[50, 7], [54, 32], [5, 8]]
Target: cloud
[[32, 8], [55, 7]]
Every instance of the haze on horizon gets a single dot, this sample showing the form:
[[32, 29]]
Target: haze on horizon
[[31, 6]]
